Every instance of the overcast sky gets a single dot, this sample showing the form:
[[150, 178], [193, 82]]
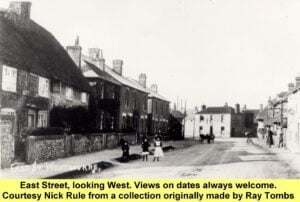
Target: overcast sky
[[205, 51]]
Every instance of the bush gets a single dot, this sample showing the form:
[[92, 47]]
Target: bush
[[77, 119]]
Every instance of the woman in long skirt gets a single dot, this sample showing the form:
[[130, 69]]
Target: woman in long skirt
[[158, 152]]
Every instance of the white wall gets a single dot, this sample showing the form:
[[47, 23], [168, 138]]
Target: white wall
[[216, 123], [293, 131], [189, 130]]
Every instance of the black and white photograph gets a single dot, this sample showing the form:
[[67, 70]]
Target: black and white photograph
[[149, 89]]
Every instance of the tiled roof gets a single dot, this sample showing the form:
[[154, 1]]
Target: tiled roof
[[120, 79], [217, 110], [150, 91], [26, 45], [263, 114], [178, 114], [95, 72]]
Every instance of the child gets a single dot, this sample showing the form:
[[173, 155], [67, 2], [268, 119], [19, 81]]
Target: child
[[145, 147], [125, 149], [158, 152]]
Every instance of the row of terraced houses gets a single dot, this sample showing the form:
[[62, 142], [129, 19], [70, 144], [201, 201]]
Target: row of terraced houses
[[41, 82], [282, 115]]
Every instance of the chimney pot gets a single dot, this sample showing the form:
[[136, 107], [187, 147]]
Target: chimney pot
[[95, 53], [291, 87], [297, 81], [237, 108], [261, 106], [22, 8], [118, 66], [143, 80], [154, 88]]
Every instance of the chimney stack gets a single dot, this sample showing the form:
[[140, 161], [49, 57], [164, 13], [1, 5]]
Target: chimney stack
[[154, 88], [291, 87], [203, 107], [226, 104], [143, 79], [297, 81], [237, 108], [118, 66], [261, 107], [245, 107], [75, 52], [96, 55], [22, 8]]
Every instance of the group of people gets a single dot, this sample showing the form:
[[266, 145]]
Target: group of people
[[270, 134], [158, 152]]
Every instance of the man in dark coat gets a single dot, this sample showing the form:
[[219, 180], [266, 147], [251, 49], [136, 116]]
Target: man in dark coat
[[270, 141]]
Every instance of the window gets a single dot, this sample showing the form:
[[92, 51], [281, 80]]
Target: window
[[127, 98], [101, 120], [113, 93], [112, 122], [43, 87], [102, 91], [69, 93], [9, 79], [211, 117], [201, 118], [222, 118], [134, 100], [84, 97], [8, 111], [31, 119], [42, 119], [145, 103]]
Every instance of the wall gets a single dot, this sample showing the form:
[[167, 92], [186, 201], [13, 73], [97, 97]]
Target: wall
[[6, 142], [159, 114], [292, 133], [216, 123], [44, 148]]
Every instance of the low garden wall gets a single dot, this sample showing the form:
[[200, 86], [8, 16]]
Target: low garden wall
[[50, 147]]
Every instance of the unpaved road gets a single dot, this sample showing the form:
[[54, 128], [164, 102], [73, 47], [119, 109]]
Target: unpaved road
[[226, 158]]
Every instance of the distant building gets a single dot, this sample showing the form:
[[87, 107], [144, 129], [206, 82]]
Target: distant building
[[189, 125], [225, 121], [176, 125]]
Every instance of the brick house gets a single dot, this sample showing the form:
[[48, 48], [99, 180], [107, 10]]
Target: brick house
[[105, 93], [126, 99], [36, 73], [158, 108]]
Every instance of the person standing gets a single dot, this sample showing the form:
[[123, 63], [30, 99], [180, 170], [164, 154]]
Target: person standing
[[158, 152], [247, 134], [125, 149], [280, 140], [145, 148], [270, 141]]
